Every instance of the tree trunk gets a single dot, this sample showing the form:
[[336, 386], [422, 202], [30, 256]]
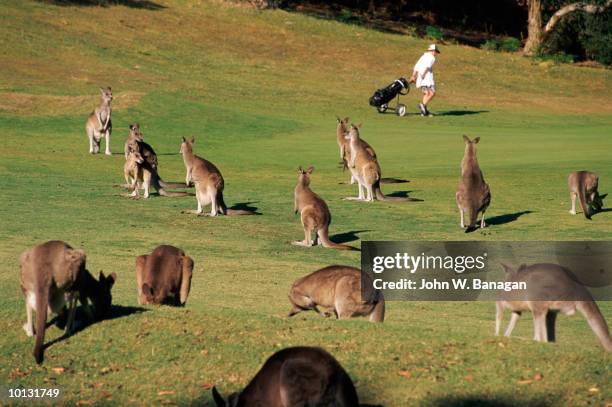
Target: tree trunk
[[534, 27]]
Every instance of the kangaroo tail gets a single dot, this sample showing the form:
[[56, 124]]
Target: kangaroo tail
[[42, 302], [163, 192], [324, 237], [234, 212], [582, 197], [382, 197], [596, 321], [378, 313], [393, 181], [169, 185]]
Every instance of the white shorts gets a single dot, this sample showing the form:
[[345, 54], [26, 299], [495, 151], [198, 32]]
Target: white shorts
[[426, 89]]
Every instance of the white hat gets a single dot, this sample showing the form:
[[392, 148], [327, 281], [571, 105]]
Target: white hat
[[433, 47]]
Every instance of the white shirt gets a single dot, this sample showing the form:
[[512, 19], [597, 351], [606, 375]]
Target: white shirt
[[425, 64]]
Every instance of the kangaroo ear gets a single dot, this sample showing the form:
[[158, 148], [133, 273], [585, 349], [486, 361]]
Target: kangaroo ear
[[217, 397], [192, 140], [300, 170], [338, 119], [184, 140], [310, 169], [112, 277], [507, 268], [102, 90], [346, 120], [603, 196], [359, 125], [466, 138], [101, 277], [476, 140]]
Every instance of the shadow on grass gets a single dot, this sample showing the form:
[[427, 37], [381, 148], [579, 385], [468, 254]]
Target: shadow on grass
[[489, 401], [245, 206], [346, 236], [117, 311], [507, 218], [139, 4], [460, 112], [602, 211], [391, 180]]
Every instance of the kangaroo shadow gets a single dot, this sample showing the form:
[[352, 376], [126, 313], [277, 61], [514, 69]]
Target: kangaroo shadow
[[601, 211], [399, 194], [488, 401], [82, 321], [346, 236], [138, 4], [460, 112], [507, 218], [245, 206]]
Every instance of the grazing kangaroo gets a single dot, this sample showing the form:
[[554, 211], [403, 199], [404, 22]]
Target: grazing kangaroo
[[339, 288], [99, 123], [473, 194], [546, 281], [208, 182], [314, 214], [164, 276], [299, 376], [52, 274], [583, 184], [366, 170]]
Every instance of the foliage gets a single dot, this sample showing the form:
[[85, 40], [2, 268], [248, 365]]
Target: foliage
[[509, 44], [434, 33]]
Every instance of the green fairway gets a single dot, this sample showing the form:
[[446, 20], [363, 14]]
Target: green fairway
[[260, 92]]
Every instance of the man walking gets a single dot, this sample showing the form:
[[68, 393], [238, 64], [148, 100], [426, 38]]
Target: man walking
[[422, 76]]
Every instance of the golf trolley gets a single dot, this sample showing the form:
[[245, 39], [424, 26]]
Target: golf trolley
[[381, 98]]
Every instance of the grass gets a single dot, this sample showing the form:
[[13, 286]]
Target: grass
[[260, 92]]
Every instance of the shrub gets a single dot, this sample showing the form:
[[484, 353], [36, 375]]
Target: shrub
[[434, 33], [490, 45], [510, 44]]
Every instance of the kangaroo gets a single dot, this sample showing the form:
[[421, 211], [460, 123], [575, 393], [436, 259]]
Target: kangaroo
[[343, 144], [134, 136], [164, 276], [339, 288], [583, 184], [473, 194], [208, 182], [546, 281], [314, 214], [52, 274], [99, 123], [133, 172], [137, 171], [365, 168], [298, 376]]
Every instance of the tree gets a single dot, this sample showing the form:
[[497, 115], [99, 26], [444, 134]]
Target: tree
[[536, 32]]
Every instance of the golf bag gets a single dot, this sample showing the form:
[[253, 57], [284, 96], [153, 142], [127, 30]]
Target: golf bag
[[385, 95]]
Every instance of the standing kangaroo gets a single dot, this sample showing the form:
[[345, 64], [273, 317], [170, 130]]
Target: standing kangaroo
[[99, 123], [208, 182], [53, 273], [583, 184], [337, 287], [292, 377], [164, 276], [343, 144], [366, 170], [314, 214], [550, 289], [473, 194]]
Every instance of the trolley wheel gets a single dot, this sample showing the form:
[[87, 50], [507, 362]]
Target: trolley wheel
[[382, 108], [401, 110]]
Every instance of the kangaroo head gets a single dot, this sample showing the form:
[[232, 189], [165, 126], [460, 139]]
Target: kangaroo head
[[232, 400], [353, 133], [304, 175], [107, 94], [597, 200], [342, 123], [187, 145], [102, 299], [134, 153], [135, 132]]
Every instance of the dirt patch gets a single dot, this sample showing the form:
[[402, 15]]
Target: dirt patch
[[27, 104]]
